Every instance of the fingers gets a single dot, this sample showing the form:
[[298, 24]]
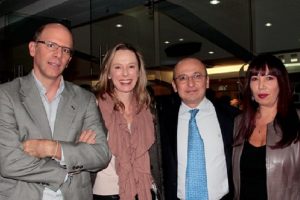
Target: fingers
[[25, 146], [36, 148], [88, 136], [29, 147]]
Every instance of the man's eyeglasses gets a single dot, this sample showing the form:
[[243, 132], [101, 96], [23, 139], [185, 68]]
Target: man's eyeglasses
[[183, 78], [52, 46]]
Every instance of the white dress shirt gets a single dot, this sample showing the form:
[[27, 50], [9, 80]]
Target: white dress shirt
[[51, 110], [209, 128]]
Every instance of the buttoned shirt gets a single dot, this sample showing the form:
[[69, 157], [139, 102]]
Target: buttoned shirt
[[209, 129], [51, 110]]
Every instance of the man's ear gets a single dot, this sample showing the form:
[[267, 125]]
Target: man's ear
[[174, 86], [31, 47]]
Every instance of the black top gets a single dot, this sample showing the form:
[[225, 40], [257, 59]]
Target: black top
[[253, 173]]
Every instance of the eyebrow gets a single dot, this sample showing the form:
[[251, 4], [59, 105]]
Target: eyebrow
[[192, 73], [120, 63]]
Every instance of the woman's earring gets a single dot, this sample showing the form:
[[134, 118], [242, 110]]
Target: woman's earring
[[252, 98]]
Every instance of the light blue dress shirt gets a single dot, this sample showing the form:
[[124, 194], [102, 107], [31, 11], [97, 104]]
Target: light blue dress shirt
[[51, 110]]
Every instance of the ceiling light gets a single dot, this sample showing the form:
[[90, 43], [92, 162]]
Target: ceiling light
[[214, 2], [180, 39], [167, 42], [268, 24], [294, 58], [119, 25], [211, 52], [224, 69]]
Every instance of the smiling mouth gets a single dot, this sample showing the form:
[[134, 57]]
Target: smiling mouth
[[125, 81], [262, 96], [54, 64], [191, 91]]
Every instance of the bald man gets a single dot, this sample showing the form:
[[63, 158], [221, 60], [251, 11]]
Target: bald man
[[51, 134], [215, 124]]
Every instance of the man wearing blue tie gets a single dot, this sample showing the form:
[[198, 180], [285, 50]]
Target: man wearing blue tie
[[196, 138]]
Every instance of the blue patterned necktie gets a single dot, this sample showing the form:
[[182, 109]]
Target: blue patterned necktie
[[196, 180]]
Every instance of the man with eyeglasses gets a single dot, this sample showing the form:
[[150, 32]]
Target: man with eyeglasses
[[215, 127], [51, 135]]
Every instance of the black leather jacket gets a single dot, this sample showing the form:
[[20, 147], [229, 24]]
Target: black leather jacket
[[282, 164]]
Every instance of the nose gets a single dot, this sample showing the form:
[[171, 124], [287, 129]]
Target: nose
[[191, 81], [125, 71], [58, 52], [261, 83]]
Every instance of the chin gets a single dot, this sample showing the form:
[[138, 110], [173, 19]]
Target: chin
[[125, 90]]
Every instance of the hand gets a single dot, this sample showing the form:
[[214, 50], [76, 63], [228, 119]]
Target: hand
[[88, 136], [40, 148]]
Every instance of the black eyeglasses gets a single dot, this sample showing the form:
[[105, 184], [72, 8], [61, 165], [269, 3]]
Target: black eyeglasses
[[183, 78], [52, 46]]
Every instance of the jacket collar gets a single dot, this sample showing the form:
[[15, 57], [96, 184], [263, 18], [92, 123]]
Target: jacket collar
[[66, 111]]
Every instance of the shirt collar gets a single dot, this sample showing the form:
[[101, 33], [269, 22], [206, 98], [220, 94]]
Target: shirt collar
[[203, 106], [42, 89]]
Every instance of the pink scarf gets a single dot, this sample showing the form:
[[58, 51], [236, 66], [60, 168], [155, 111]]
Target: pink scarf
[[130, 149]]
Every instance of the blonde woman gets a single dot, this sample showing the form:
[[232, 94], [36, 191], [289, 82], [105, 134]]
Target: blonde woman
[[124, 103]]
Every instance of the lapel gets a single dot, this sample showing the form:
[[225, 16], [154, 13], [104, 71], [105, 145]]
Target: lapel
[[66, 113], [176, 102], [226, 115], [33, 104]]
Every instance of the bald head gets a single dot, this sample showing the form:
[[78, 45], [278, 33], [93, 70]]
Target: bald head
[[190, 81], [52, 26], [186, 61], [51, 50]]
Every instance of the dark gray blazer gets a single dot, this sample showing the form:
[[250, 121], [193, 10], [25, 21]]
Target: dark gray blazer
[[22, 117]]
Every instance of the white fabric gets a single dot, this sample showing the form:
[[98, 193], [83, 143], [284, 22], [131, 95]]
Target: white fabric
[[209, 128], [107, 180]]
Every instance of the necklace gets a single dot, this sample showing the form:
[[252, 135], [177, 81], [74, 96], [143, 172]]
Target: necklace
[[260, 129]]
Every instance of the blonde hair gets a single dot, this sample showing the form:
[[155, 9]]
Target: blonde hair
[[105, 85]]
